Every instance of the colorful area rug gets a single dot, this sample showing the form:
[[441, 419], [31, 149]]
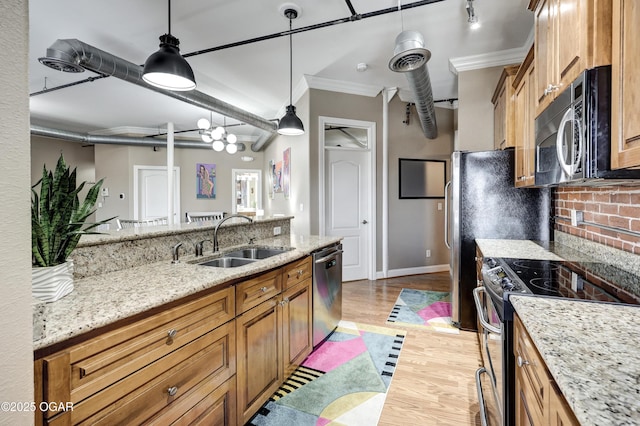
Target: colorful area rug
[[343, 382], [422, 308]]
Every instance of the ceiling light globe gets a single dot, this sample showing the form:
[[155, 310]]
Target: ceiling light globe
[[218, 146], [217, 133], [206, 137], [231, 138], [203, 124], [232, 148]]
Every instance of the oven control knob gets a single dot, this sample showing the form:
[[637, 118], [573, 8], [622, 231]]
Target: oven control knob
[[492, 263], [506, 283]]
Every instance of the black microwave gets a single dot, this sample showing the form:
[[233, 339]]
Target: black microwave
[[573, 134]]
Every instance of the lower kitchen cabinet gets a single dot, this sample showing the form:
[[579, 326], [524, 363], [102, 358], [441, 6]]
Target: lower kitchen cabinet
[[539, 401], [259, 343], [297, 332], [212, 360]]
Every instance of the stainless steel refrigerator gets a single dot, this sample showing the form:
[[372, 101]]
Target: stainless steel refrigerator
[[482, 202]]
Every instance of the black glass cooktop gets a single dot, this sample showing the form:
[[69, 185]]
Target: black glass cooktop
[[577, 280]]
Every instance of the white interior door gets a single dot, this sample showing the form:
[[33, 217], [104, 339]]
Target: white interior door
[[151, 194], [347, 212]]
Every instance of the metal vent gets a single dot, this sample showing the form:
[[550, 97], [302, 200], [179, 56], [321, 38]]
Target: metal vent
[[410, 57], [59, 65]]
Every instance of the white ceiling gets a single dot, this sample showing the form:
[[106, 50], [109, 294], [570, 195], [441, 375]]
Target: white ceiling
[[255, 76]]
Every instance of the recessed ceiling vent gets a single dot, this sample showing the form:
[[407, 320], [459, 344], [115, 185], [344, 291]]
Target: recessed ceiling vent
[[411, 57]]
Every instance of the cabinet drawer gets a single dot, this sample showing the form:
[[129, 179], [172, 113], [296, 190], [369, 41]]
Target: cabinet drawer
[[81, 371], [532, 368], [255, 291], [297, 272], [162, 384], [205, 405]]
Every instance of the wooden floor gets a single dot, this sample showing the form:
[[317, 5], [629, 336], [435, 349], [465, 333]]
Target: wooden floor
[[434, 382]]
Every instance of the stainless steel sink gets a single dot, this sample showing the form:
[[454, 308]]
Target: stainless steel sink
[[227, 262], [256, 252], [243, 256]]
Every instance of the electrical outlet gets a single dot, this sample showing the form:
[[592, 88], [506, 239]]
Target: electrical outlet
[[576, 217], [439, 206], [277, 230], [428, 253]]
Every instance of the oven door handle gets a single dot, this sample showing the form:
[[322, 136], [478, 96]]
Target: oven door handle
[[484, 322], [483, 410]]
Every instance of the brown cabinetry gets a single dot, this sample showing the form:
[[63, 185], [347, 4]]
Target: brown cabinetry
[[625, 88], [570, 36], [273, 337], [525, 104], [140, 371], [504, 110], [538, 401], [212, 360]]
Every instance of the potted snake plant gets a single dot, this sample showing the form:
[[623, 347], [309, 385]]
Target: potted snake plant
[[58, 220]]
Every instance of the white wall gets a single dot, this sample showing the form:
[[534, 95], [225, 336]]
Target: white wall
[[16, 362], [300, 174], [475, 113]]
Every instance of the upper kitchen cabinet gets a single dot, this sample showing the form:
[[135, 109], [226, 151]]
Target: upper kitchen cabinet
[[503, 109], [570, 36], [625, 85], [525, 107]]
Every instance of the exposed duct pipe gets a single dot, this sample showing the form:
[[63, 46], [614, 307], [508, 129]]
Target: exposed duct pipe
[[411, 57], [72, 55], [117, 140]]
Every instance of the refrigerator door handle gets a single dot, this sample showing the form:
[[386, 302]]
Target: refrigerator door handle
[[446, 214]]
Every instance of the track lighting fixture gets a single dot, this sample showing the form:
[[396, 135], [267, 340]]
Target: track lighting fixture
[[290, 124], [472, 18], [166, 68]]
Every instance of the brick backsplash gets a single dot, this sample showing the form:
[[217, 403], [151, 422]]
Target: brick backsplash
[[611, 213]]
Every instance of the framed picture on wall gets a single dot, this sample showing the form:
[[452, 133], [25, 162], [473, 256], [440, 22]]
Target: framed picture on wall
[[422, 178], [206, 180], [286, 172]]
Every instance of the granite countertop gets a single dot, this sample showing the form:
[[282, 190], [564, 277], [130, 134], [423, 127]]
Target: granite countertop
[[527, 249], [103, 299], [592, 352]]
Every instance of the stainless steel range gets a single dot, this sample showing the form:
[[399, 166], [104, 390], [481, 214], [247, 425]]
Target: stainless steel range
[[585, 280]]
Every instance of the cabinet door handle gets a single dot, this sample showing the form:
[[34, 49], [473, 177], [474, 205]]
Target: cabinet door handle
[[550, 89], [172, 391], [300, 273], [263, 289], [522, 362], [171, 334]]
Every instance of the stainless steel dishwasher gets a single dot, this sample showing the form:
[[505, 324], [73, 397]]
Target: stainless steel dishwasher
[[327, 291]]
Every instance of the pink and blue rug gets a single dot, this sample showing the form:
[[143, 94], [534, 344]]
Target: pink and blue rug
[[422, 308], [343, 382]]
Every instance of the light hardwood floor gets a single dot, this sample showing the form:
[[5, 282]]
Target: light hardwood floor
[[434, 382]]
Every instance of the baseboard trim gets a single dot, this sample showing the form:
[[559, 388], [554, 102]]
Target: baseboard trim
[[413, 271]]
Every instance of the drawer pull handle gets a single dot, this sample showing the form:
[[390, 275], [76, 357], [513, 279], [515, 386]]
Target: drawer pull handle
[[171, 334], [522, 362], [172, 391], [263, 289], [300, 273]]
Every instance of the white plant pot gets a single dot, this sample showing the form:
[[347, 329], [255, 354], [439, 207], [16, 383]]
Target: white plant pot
[[50, 283]]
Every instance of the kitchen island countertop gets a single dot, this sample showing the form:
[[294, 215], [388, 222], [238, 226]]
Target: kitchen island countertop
[[104, 299], [592, 352]]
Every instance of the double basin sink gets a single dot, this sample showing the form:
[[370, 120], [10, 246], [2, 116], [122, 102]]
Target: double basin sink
[[243, 256]]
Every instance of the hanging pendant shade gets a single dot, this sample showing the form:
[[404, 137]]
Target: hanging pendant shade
[[290, 124], [166, 68]]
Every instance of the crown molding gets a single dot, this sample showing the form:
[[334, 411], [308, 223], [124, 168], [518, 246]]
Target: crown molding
[[351, 88], [486, 60]]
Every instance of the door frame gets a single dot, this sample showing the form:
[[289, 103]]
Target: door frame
[[137, 169], [371, 136]]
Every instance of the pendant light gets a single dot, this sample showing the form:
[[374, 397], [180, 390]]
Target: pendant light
[[290, 124], [166, 68]]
